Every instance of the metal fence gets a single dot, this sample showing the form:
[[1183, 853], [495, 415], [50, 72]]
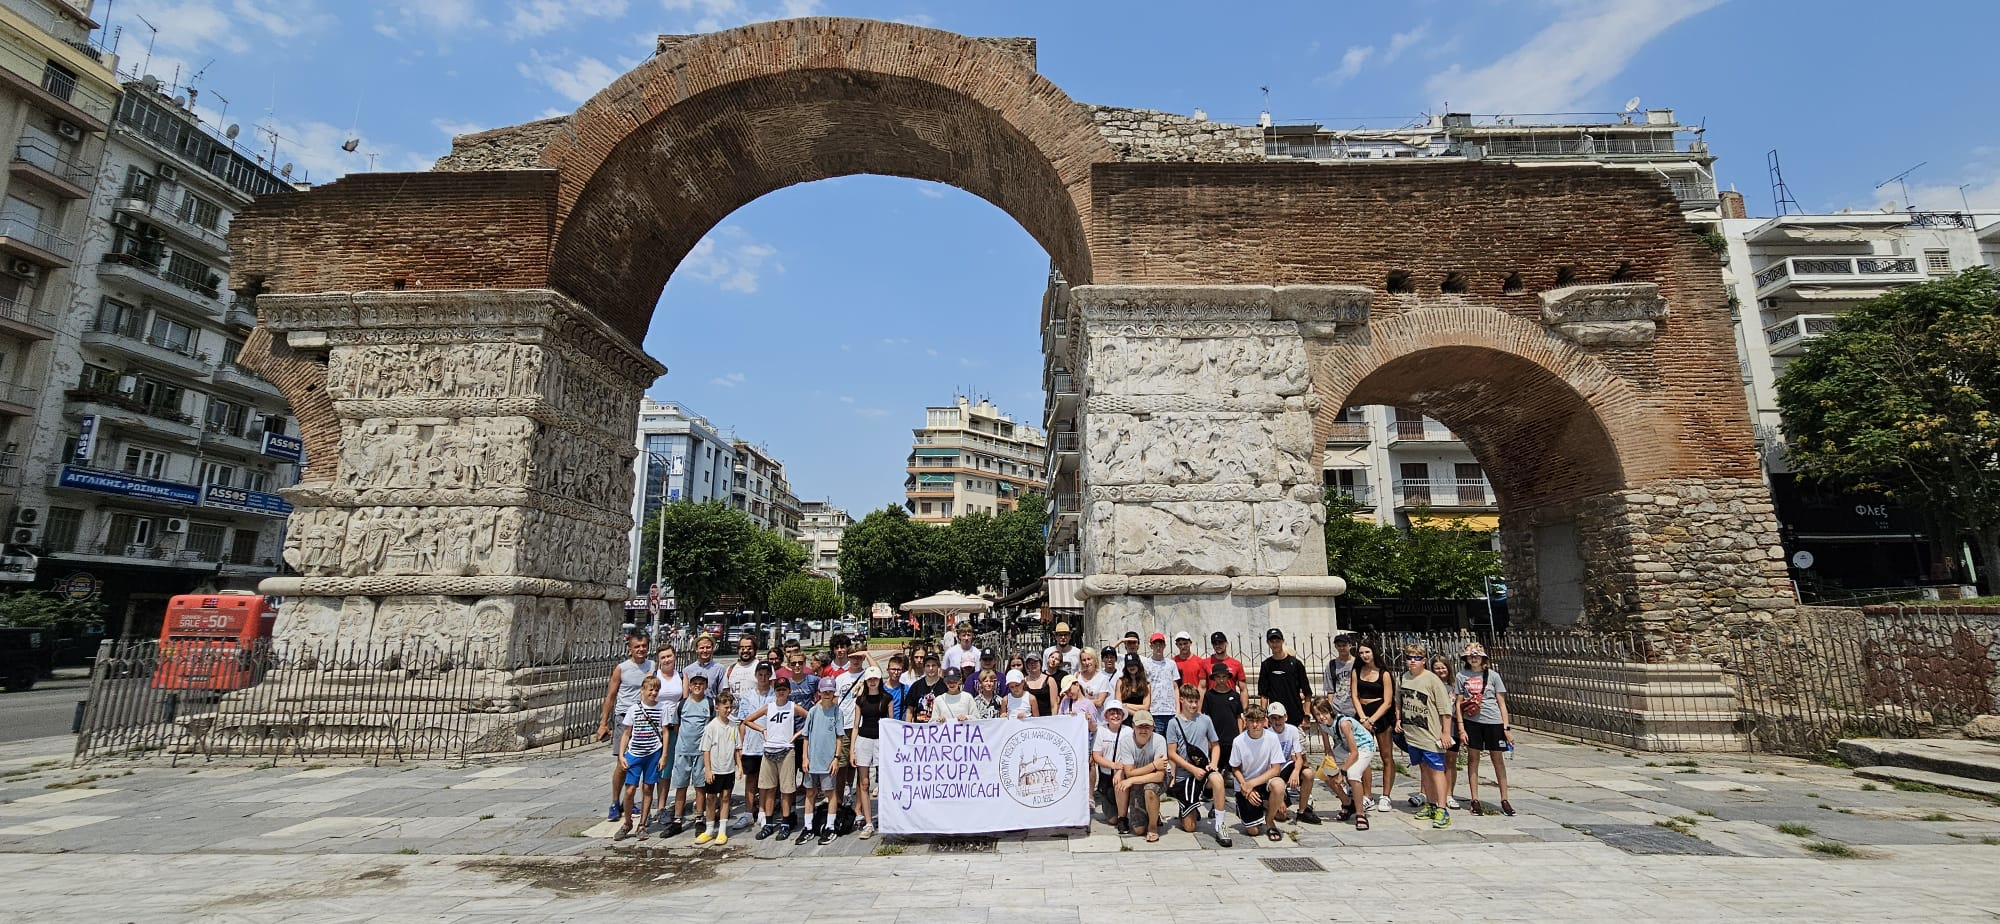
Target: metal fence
[[285, 701]]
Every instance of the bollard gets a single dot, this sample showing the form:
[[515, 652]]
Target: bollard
[[76, 721]]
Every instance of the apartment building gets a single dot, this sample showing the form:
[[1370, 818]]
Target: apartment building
[[682, 457], [58, 91], [759, 488], [970, 458], [1791, 278], [820, 527]]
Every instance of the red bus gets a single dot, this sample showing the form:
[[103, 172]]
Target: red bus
[[212, 641]]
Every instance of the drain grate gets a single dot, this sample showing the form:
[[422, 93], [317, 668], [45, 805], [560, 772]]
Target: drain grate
[[963, 845], [1652, 839], [1293, 865]]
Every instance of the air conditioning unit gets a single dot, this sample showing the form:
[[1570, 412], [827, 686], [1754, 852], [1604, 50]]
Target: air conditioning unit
[[23, 268], [27, 516], [24, 535], [176, 525], [124, 220], [169, 173], [70, 131]]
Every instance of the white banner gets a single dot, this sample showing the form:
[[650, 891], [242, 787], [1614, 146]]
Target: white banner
[[988, 775]]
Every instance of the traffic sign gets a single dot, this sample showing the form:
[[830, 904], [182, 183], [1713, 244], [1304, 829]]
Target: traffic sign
[[653, 601]]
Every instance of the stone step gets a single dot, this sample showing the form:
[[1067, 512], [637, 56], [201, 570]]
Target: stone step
[[1950, 757], [1976, 787]]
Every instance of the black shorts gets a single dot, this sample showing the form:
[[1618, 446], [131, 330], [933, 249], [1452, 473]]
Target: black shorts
[[1485, 736], [724, 784], [1382, 725], [751, 764]]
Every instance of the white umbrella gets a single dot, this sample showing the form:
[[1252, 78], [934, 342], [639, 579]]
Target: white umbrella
[[947, 603]]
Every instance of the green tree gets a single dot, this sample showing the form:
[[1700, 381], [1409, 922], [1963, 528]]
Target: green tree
[[886, 557], [35, 609], [798, 596], [708, 551], [827, 601], [770, 559], [1020, 543], [1445, 562], [1903, 397], [1362, 551]]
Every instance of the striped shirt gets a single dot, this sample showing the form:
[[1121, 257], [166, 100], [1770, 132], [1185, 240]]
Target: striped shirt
[[646, 723]]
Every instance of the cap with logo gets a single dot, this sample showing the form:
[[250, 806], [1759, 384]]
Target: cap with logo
[[1217, 638], [1276, 709]]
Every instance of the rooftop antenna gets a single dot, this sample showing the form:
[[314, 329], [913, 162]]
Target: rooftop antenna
[[149, 43], [1902, 181], [1962, 200], [1781, 195], [1631, 106], [1264, 118]]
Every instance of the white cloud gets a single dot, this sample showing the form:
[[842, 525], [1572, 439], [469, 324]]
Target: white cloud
[[442, 18], [847, 399], [730, 380], [969, 363], [1359, 57], [711, 15], [729, 259], [453, 128], [1401, 42], [930, 190], [871, 412], [1351, 63], [1559, 68], [537, 17], [576, 82]]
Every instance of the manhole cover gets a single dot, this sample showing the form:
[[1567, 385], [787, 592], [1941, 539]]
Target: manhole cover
[[1293, 865], [962, 845], [1648, 839]]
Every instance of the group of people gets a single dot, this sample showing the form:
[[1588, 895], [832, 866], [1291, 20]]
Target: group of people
[[1161, 724]]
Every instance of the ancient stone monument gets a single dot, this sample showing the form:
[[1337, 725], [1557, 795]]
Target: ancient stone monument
[[460, 344]]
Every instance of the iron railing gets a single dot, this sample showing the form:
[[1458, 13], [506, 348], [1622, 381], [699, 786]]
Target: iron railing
[[273, 700]]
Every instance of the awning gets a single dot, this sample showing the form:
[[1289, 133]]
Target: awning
[[1484, 522], [1063, 591], [927, 478], [937, 453], [948, 603]]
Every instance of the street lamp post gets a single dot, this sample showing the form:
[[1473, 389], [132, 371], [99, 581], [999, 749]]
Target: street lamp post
[[659, 534]]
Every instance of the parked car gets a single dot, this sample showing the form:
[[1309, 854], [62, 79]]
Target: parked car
[[816, 625], [25, 655]]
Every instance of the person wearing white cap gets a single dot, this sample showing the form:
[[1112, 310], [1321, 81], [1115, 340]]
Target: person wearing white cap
[[871, 706], [1104, 756], [1018, 704], [1193, 667]]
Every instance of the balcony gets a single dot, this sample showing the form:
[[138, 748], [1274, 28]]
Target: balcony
[[248, 440], [1836, 277], [231, 375], [1348, 434], [1055, 337], [1067, 504], [19, 320], [930, 487], [147, 275], [240, 314], [18, 400], [128, 411], [35, 243], [209, 240], [128, 341], [1363, 495], [52, 170], [1460, 495], [10, 470], [1789, 337], [54, 91], [1404, 433]]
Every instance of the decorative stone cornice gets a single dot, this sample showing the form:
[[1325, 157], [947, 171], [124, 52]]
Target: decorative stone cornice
[[1613, 314], [421, 585], [1141, 585], [1319, 306]]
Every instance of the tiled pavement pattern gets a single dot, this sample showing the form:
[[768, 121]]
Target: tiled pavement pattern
[[525, 840]]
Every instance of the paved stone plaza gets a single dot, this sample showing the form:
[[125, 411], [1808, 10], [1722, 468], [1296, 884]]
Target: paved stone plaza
[[524, 839]]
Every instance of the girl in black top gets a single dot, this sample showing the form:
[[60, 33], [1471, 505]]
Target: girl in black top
[[1134, 690], [1374, 702], [871, 706], [1040, 686]]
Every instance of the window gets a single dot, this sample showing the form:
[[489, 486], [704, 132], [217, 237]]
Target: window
[[63, 525], [116, 317], [243, 546], [139, 184], [162, 399], [141, 248], [1471, 484], [98, 378], [256, 481], [1416, 482], [21, 210], [173, 335], [58, 80], [204, 541], [16, 291], [146, 463], [198, 211], [1937, 262], [230, 350], [226, 417], [189, 273], [218, 473], [129, 533]]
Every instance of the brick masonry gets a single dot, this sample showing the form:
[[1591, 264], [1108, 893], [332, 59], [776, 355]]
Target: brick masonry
[[1565, 320]]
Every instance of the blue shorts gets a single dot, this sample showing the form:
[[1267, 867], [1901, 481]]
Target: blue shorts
[[687, 771], [642, 770], [1422, 758]]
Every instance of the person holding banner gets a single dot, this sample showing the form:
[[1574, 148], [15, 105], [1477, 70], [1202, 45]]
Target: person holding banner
[[1143, 767], [1194, 750], [872, 706], [954, 705], [922, 694]]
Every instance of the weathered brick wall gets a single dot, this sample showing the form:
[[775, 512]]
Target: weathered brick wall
[[1164, 137], [515, 147], [381, 231]]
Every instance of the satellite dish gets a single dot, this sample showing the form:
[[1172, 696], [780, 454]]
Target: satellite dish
[[350, 145], [181, 102], [150, 82], [286, 172], [1632, 105], [232, 131]]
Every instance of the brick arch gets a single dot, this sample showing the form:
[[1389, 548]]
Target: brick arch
[[1548, 421], [658, 158]]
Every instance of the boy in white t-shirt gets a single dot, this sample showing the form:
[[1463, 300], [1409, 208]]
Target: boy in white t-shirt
[[1257, 761], [1298, 776], [720, 742]]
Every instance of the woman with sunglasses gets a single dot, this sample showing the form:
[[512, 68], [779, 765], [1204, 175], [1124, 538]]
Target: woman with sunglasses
[[1135, 690]]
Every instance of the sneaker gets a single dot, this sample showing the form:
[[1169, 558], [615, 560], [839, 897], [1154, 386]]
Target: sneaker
[[701, 825], [1416, 798], [1451, 802], [825, 836], [784, 830], [721, 838], [1346, 814], [1124, 825], [868, 831], [1309, 816], [1222, 837], [675, 827], [1441, 820], [617, 811], [767, 830], [703, 838], [1382, 804], [1428, 811], [1477, 809], [805, 834]]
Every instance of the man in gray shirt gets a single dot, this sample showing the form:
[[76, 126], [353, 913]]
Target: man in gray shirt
[[619, 696], [1144, 763], [1194, 750], [705, 664]]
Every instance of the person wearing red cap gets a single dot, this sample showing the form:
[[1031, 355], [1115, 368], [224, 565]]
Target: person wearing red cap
[[1164, 678]]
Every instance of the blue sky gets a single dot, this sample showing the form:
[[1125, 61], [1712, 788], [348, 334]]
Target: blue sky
[[821, 319]]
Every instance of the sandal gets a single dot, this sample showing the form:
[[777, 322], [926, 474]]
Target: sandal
[[624, 831], [1361, 824], [1152, 837], [1478, 809], [1274, 834]]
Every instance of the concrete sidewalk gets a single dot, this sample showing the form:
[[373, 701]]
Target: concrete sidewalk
[[1599, 834]]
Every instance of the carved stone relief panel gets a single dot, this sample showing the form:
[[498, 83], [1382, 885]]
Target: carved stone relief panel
[[1211, 366], [461, 453], [1196, 448], [1215, 537], [454, 541]]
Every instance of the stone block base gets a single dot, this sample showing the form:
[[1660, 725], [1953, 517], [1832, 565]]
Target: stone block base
[[499, 630], [1244, 617], [1646, 707]]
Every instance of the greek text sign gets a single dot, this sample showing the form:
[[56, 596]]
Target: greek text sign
[[987, 775]]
